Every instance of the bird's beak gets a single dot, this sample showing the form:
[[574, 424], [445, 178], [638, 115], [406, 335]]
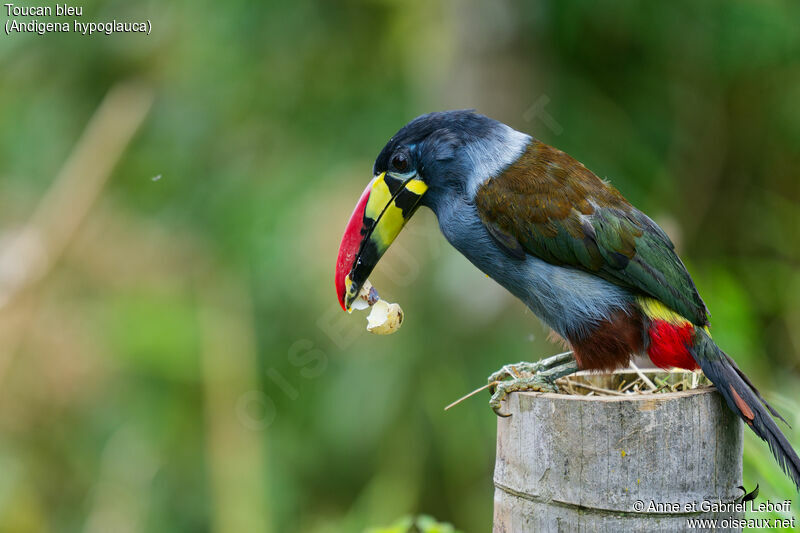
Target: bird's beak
[[383, 209]]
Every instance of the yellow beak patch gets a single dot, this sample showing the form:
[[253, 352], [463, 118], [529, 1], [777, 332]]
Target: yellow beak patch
[[391, 204]]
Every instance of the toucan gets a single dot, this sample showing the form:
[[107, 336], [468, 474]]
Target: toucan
[[600, 273]]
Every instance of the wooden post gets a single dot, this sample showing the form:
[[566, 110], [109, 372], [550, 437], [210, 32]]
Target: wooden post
[[580, 463]]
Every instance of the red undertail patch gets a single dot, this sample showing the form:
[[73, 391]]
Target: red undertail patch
[[670, 343]]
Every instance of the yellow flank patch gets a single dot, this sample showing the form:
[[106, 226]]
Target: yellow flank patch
[[418, 187], [658, 311]]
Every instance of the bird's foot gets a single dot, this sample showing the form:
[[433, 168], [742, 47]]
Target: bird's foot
[[534, 383], [540, 376], [516, 370]]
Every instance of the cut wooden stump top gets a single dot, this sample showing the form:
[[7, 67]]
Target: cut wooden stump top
[[571, 462]]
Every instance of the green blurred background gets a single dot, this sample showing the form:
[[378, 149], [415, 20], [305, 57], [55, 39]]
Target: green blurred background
[[176, 360]]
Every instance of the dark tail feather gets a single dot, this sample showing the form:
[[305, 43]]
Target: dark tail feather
[[745, 400], [746, 379]]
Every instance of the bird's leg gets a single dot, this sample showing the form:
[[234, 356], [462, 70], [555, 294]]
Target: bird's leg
[[542, 379]]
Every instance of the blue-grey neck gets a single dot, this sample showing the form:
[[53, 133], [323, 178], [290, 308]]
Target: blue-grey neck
[[465, 150]]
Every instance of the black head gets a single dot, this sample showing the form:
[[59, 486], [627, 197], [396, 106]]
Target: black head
[[433, 160], [431, 138]]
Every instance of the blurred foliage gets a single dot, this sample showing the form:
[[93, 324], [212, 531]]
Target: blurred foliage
[[185, 365], [420, 524]]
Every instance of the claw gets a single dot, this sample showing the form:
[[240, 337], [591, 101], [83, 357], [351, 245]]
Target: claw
[[498, 396], [500, 413]]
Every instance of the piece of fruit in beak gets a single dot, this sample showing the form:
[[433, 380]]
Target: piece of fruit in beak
[[385, 318]]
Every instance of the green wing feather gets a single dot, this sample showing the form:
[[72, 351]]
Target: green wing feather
[[562, 213]]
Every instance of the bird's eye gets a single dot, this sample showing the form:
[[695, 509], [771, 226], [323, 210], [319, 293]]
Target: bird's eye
[[400, 162]]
